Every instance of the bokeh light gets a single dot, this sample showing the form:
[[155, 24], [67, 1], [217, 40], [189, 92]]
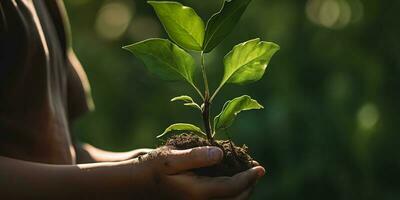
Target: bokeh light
[[143, 27], [367, 116], [334, 14], [113, 19]]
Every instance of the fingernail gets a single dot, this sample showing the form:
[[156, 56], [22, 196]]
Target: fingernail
[[260, 171], [214, 154]]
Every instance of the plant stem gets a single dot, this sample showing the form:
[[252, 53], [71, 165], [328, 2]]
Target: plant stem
[[216, 92], [206, 109], [203, 70], [198, 91], [206, 119]]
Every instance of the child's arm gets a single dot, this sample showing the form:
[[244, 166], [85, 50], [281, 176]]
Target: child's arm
[[21, 179], [86, 153], [158, 175]]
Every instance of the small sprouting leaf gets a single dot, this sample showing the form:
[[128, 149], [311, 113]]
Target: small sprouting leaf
[[223, 22], [188, 101], [183, 127], [184, 98], [164, 59], [193, 105], [231, 109], [182, 23], [247, 61]]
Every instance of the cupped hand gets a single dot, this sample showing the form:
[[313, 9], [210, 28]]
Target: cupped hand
[[168, 175]]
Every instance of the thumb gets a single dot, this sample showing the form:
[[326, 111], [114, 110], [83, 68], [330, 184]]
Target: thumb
[[182, 160]]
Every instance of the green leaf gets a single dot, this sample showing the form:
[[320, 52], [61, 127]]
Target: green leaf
[[188, 101], [183, 98], [164, 59], [182, 23], [193, 105], [233, 107], [183, 127], [247, 61], [223, 22]]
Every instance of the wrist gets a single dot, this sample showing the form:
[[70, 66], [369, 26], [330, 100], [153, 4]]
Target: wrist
[[142, 178], [106, 180]]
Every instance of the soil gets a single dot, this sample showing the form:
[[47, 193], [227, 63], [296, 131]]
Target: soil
[[235, 159]]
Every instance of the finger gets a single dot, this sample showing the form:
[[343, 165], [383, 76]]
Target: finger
[[255, 163], [138, 152], [222, 187], [182, 160]]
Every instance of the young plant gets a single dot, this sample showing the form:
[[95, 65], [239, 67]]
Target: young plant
[[245, 63]]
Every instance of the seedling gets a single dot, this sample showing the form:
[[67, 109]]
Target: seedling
[[170, 60]]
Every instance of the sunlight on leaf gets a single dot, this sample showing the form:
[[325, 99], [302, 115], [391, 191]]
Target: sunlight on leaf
[[247, 61], [231, 109], [188, 101], [183, 127], [184, 98], [193, 105], [164, 59], [182, 24]]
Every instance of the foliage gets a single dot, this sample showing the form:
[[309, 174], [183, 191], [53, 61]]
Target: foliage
[[244, 64]]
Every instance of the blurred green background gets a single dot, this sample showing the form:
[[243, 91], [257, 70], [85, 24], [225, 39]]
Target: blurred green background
[[330, 125]]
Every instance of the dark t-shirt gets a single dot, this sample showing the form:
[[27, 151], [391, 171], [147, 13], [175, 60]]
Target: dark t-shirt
[[42, 85]]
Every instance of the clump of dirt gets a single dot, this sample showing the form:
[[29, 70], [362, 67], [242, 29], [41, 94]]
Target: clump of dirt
[[236, 159]]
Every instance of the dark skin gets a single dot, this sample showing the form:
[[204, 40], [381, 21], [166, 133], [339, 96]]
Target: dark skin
[[50, 166], [153, 176]]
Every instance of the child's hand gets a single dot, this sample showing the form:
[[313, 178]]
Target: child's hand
[[167, 175]]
